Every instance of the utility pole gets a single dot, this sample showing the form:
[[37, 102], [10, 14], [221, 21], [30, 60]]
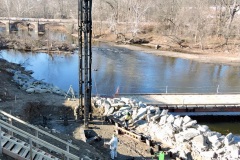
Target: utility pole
[[85, 58]]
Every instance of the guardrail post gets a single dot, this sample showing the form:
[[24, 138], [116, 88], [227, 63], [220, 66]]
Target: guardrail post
[[166, 89], [30, 151], [217, 89], [10, 122], [0, 140], [67, 151], [36, 134]]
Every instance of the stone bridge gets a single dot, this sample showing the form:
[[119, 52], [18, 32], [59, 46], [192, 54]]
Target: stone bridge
[[11, 24]]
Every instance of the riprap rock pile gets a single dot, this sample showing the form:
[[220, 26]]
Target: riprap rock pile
[[31, 85], [185, 136]]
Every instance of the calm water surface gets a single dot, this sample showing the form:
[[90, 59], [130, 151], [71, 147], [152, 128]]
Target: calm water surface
[[131, 71]]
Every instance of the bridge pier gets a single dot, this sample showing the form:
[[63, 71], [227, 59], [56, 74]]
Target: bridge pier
[[36, 26], [7, 25], [70, 27]]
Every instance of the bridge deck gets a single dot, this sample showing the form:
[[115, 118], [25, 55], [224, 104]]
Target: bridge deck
[[186, 99], [193, 104]]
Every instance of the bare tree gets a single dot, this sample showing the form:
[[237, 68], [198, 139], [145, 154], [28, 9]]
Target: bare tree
[[138, 10], [232, 7], [7, 4]]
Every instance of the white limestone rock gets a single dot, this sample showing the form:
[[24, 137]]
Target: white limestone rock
[[183, 155], [152, 109], [158, 111], [212, 133], [169, 129], [125, 100], [142, 105], [215, 142], [203, 128], [119, 104], [110, 111], [189, 124], [178, 122], [164, 137], [187, 134], [186, 119], [199, 142], [170, 119], [164, 112], [40, 90], [99, 102], [118, 114], [228, 139], [134, 113], [30, 90], [141, 112], [107, 106], [163, 120], [179, 138], [235, 152], [208, 154], [126, 108], [221, 150], [155, 117]]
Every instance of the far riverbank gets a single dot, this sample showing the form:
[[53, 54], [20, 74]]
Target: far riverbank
[[205, 57], [216, 58]]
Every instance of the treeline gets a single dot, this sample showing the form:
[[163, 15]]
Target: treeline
[[201, 23]]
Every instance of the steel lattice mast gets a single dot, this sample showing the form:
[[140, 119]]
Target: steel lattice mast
[[85, 57]]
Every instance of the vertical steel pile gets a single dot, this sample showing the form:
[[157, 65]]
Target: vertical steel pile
[[85, 57]]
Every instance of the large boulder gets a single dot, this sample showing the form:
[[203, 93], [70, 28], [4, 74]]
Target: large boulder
[[163, 120], [186, 135], [141, 113], [189, 124], [228, 139], [208, 154], [178, 122], [200, 143], [186, 119], [215, 142], [203, 128], [170, 119]]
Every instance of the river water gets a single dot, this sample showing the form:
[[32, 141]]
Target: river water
[[132, 72]]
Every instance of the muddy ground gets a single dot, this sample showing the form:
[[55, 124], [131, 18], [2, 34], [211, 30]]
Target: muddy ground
[[33, 107]]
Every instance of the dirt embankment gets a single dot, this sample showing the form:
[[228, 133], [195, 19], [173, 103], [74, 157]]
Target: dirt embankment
[[170, 46]]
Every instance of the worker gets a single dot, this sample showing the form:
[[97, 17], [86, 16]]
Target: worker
[[113, 146], [126, 119]]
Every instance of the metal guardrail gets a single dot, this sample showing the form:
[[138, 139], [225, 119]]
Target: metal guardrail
[[21, 145], [35, 138], [219, 89], [197, 104]]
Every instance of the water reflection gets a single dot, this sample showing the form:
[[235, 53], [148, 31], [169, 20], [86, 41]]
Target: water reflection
[[131, 71]]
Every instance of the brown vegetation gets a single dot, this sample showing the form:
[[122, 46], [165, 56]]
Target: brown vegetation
[[29, 43], [201, 25]]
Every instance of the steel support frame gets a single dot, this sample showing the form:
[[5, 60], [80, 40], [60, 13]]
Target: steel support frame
[[85, 58]]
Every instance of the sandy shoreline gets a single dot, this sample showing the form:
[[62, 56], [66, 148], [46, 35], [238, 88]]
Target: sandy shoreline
[[226, 59]]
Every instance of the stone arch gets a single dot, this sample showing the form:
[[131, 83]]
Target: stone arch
[[14, 26], [2, 23]]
